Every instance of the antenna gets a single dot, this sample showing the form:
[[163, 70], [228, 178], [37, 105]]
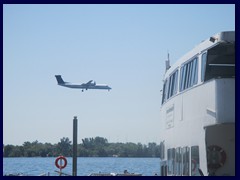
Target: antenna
[[167, 62]]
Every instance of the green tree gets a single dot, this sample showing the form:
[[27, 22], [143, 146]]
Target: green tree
[[139, 152], [100, 141], [8, 150], [90, 147], [64, 147], [152, 149]]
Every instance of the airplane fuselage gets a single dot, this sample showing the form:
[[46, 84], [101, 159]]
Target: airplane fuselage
[[89, 85], [79, 86]]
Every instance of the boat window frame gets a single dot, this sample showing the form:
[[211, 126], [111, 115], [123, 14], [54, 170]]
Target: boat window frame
[[193, 80], [169, 86], [181, 79], [203, 65], [189, 73], [178, 162], [185, 162], [170, 161], [164, 94], [209, 66], [195, 161], [173, 83]]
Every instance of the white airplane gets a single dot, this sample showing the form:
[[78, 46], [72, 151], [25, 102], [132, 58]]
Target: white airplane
[[89, 85]]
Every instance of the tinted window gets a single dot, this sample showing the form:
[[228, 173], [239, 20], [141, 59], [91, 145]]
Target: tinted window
[[195, 161], [170, 86], [164, 95], [185, 168], [220, 62], [178, 162], [171, 161], [173, 83], [183, 70], [189, 74], [203, 67], [194, 73]]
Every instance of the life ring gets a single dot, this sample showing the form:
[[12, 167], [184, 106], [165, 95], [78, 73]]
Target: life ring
[[64, 160], [216, 157], [194, 165]]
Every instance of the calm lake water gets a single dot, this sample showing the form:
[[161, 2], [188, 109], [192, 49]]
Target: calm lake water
[[85, 166]]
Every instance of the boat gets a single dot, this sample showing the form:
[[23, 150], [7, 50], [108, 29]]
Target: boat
[[198, 111]]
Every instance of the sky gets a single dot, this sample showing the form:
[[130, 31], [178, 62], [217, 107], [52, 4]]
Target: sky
[[124, 46]]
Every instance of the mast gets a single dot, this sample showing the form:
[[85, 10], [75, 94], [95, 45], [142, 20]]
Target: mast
[[167, 62]]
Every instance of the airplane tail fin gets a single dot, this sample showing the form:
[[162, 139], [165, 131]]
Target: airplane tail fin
[[59, 79]]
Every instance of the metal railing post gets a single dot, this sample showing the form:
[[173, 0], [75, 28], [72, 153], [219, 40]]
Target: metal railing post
[[74, 167]]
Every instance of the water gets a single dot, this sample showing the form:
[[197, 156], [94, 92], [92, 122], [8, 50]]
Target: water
[[85, 166]]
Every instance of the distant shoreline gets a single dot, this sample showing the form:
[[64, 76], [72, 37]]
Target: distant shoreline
[[90, 147]]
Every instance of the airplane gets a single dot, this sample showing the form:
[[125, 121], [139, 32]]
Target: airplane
[[89, 85]]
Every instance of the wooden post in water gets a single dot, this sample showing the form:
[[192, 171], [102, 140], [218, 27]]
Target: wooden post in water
[[74, 167]]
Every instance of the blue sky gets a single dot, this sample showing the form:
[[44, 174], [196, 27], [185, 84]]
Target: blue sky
[[124, 46]]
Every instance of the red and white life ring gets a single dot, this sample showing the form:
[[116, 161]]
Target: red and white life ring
[[216, 157], [60, 158]]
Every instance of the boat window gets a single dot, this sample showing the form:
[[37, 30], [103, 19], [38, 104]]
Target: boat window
[[182, 77], [164, 92], [186, 76], [220, 62], [171, 160], [175, 82], [189, 74], [169, 86], [195, 161], [185, 168], [194, 72], [172, 87], [178, 162], [203, 68]]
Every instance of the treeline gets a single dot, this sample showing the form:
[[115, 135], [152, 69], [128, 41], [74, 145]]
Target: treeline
[[90, 147]]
